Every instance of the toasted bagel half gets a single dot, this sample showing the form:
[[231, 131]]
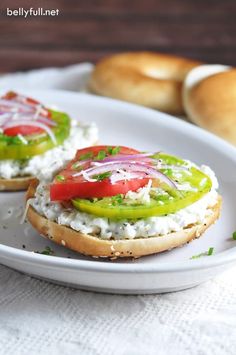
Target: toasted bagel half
[[15, 184], [96, 247]]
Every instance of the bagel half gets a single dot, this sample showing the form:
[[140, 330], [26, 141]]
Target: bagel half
[[19, 183], [96, 247], [15, 184], [146, 78], [209, 97]]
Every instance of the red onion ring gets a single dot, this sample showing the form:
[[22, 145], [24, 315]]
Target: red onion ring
[[123, 157], [16, 104], [118, 158], [131, 167], [28, 116], [4, 117], [117, 176]]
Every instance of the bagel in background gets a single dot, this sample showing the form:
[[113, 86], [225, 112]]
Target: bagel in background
[[147, 78], [209, 97]]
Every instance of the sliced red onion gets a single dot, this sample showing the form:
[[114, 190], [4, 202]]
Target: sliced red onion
[[15, 104], [28, 116], [94, 163], [100, 163], [4, 117], [3, 113], [123, 157], [87, 177], [40, 110], [130, 167], [37, 107], [47, 121], [33, 124], [17, 116], [124, 175], [118, 159], [97, 163]]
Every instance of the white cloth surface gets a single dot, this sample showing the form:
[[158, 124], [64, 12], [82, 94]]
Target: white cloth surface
[[37, 317], [41, 318]]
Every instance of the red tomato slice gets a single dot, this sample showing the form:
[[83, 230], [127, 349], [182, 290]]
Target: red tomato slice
[[91, 152], [96, 149], [23, 130], [11, 95], [85, 189], [70, 187]]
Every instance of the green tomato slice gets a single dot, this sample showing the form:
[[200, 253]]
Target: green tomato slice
[[14, 148], [193, 182]]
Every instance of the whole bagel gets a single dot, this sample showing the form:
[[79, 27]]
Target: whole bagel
[[210, 101], [150, 79]]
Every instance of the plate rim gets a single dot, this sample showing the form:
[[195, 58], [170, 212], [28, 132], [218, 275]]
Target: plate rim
[[225, 257]]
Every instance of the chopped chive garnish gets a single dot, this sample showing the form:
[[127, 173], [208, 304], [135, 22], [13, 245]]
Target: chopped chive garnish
[[206, 253], [234, 235], [77, 166], [113, 150], [86, 156], [117, 199], [46, 251], [101, 155], [100, 177], [198, 256], [210, 251], [60, 178]]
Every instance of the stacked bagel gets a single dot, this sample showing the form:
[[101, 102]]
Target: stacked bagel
[[205, 93], [150, 79], [209, 97]]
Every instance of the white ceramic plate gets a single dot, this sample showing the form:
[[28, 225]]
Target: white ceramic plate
[[125, 124]]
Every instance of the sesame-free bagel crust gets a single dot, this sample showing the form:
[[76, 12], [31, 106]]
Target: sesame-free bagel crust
[[146, 78], [211, 104]]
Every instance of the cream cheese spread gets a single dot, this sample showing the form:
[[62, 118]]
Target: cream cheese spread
[[107, 229], [45, 165]]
